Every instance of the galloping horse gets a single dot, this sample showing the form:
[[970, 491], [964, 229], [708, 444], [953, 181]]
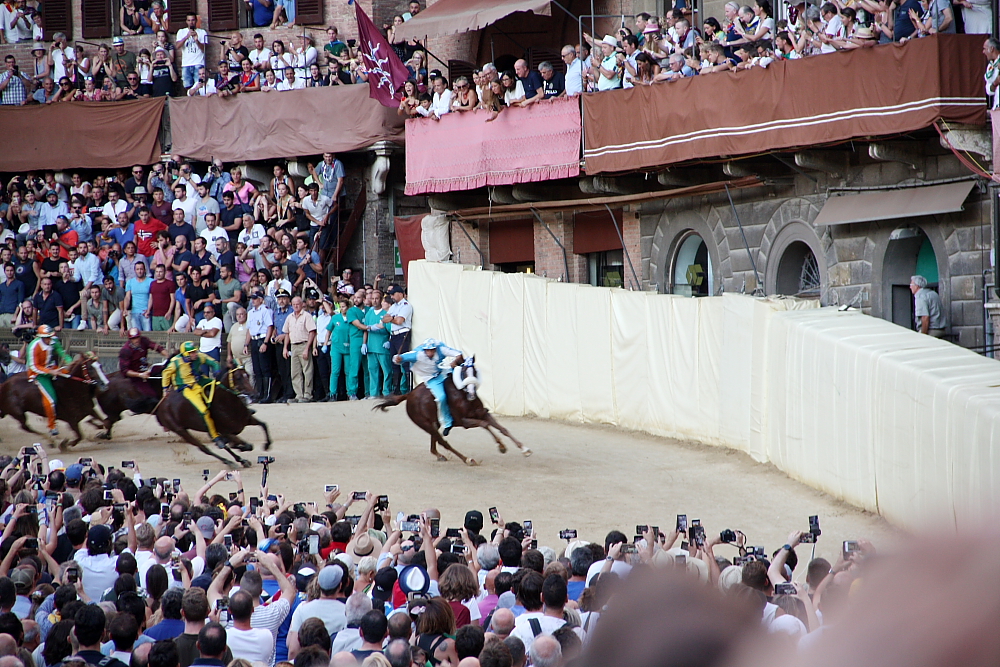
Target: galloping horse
[[231, 415], [74, 396], [467, 410]]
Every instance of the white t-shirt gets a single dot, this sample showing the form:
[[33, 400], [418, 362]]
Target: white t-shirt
[[59, 62], [303, 60], [318, 209], [188, 206], [262, 57], [209, 343], [255, 644], [191, 55], [441, 103], [347, 639], [834, 29], [201, 209], [252, 236], [516, 94], [333, 613], [98, 572], [295, 85], [210, 236], [279, 63], [523, 631]]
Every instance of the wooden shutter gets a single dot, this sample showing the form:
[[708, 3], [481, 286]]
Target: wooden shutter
[[178, 10], [96, 18], [223, 15], [58, 17], [309, 12]]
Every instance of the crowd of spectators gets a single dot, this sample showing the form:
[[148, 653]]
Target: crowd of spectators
[[105, 567], [668, 48], [168, 249]]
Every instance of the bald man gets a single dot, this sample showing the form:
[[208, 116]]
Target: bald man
[[503, 623]]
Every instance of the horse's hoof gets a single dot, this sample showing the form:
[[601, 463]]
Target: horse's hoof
[[503, 450], [527, 452], [64, 445], [472, 462], [442, 458], [105, 435], [245, 463], [245, 447]]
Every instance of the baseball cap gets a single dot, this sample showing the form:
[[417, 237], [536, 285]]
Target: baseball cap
[[23, 581], [51, 192], [395, 289], [133, 333], [474, 521], [304, 575], [99, 538], [117, 41], [56, 464], [139, 190], [75, 471], [330, 577], [206, 526], [384, 581]]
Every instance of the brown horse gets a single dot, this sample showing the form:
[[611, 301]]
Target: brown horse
[[122, 393], [231, 415], [467, 410], [74, 396]]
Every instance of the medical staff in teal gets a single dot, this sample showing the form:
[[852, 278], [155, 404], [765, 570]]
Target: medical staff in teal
[[376, 346], [339, 349], [356, 320], [428, 361]]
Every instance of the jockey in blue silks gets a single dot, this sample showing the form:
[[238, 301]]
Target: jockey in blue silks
[[427, 361]]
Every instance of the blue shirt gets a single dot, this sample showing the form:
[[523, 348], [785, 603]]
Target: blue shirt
[[531, 84], [83, 228], [281, 642], [261, 15], [168, 628], [573, 588], [11, 296], [48, 309], [279, 318], [330, 173], [140, 293], [123, 236]]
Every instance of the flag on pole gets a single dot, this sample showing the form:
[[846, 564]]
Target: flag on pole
[[386, 72]]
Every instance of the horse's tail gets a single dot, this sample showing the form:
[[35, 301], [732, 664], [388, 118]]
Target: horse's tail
[[390, 402]]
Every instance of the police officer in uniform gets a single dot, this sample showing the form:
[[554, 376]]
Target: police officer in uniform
[[260, 329], [399, 320]]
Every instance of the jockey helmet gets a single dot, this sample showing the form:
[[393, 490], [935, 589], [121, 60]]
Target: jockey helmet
[[429, 344], [45, 331], [187, 347]]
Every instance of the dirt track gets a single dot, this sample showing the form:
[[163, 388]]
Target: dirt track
[[589, 478]]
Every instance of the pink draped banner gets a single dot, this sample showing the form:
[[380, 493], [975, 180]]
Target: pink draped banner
[[463, 151]]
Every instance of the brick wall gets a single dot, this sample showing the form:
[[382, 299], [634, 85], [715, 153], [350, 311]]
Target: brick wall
[[549, 259]]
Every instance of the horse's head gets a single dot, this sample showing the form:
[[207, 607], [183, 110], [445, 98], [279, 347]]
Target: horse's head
[[466, 377], [88, 368], [236, 378]]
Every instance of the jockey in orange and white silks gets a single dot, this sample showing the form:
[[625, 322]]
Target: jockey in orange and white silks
[[427, 360], [46, 359]]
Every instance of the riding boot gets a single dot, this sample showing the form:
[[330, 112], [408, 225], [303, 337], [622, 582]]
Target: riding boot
[[220, 442]]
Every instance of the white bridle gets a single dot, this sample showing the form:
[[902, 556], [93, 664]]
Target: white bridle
[[465, 383]]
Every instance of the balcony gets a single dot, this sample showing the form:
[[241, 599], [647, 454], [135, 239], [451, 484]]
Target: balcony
[[882, 91]]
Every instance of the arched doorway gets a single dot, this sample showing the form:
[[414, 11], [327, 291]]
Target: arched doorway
[[692, 274], [798, 272], [908, 253]]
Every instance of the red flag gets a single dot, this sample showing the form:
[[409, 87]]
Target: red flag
[[386, 72]]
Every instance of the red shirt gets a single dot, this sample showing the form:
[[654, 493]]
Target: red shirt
[[159, 297], [145, 235], [70, 238]]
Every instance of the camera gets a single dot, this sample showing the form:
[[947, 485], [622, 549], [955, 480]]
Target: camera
[[728, 536], [850, 547], [381, 503], [453, 533], [128, 464], [31, 543], [682, 523], [177, 486], [409, 527], [640, 530], [458, 548], [527, 526], [784, 589], [72, 575], [435, 527], [222, 604], [227, 540], [352, 43], [265, 459], [494, 515], [808, 538], [814, 527], [108, 495], [629, 549], [358, 495], [567, 534], [299, 509], [330, 488]]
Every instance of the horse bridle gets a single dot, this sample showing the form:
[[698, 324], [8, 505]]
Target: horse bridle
[[86, 379]]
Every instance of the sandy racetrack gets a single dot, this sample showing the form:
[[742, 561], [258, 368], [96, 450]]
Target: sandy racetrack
[[589, 478]]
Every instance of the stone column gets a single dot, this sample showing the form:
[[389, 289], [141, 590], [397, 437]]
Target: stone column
[[376, 229]]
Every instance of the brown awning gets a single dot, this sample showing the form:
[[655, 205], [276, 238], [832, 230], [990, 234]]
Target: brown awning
[[879, 91], [262, 126], [80, 135], [449, 17], [593, 231], [890, 204], [513, 241]]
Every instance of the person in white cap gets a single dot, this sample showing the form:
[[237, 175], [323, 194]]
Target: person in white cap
[[606, 66], [330, 607]]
